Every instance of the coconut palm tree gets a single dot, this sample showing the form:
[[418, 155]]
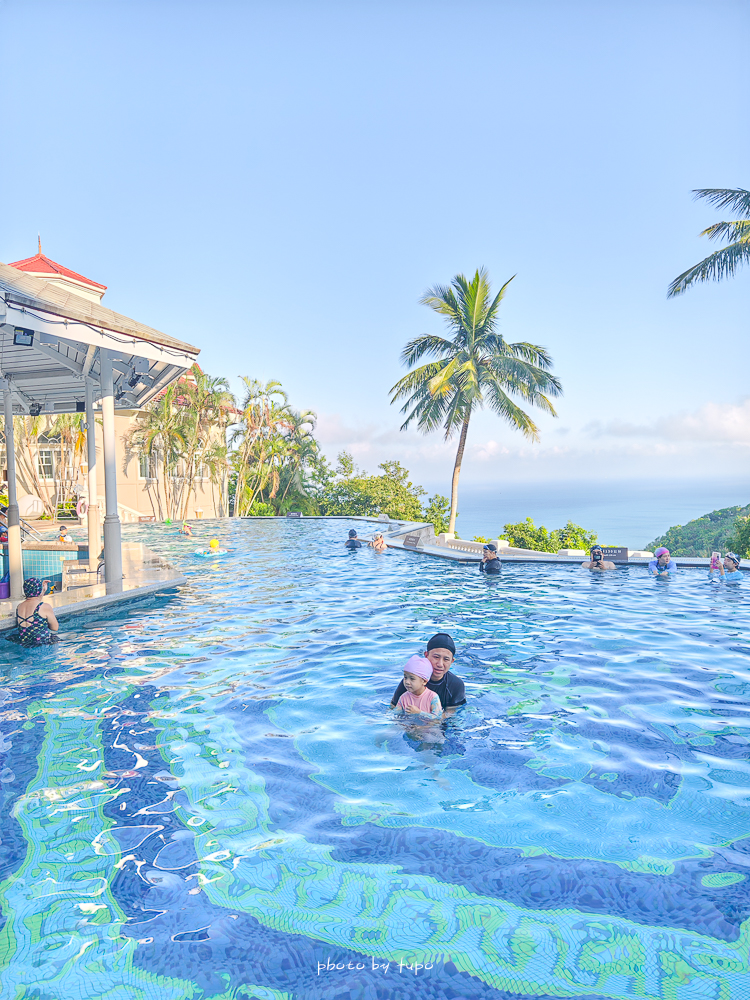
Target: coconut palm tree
[[160, 431], [27, 431], [203, 399], [725, 262], [475, 367], [265, 412]]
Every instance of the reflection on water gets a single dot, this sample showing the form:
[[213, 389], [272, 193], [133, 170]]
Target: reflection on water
[[206, 796]]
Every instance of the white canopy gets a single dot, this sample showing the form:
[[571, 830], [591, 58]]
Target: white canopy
[[69, 333], [58, 353]]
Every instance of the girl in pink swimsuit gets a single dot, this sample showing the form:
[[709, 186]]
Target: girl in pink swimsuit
[[418, 699]]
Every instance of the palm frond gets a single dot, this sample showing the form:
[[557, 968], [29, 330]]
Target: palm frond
[[532, 353], [418, 379], [501, 404], [427, 344], [730, 231], [737, 199], [723, 263]]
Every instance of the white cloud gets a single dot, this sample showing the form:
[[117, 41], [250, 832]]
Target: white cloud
[[711, 438], [726, 423]]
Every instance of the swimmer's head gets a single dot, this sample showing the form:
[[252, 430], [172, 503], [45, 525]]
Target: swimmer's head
[[490, 547], [662, 552], [440, 652], [417, 671], [32, 587], [63, 530], [214, 543], [596, 553], [734, 557], [352, 533]]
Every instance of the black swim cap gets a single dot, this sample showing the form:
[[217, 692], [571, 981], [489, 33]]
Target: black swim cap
[[442, 641], [352, 533]]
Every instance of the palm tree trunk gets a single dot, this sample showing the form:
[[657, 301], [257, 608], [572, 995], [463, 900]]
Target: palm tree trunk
[[457, 472]]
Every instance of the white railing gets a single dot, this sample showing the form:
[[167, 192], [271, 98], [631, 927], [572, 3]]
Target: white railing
[[464, 546], [127, 514]]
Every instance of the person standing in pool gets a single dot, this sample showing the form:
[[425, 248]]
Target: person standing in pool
[[490, 560], [441, 651], [597, 561], [34, 617], [353, 542], [378, 542], [729, 569], [662, 564]]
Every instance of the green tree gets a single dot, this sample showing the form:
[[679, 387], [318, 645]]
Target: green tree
[[704, 535], [526, 535], [474, 368], [359, 494], [437, 511], [572, 536], [739, 542], [725, 262]]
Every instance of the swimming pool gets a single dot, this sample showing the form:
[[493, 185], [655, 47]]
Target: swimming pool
[[204, 796]]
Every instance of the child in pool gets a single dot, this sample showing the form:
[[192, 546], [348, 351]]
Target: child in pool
[[418, 699]]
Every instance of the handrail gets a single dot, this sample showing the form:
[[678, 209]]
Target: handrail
[[26, 529]]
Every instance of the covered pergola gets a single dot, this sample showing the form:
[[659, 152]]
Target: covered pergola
[[62, 353]]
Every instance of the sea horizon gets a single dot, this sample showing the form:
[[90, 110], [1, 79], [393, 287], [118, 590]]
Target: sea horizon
[[629, 512]]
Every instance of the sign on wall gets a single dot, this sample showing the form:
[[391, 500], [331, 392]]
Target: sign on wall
[[614, 554]]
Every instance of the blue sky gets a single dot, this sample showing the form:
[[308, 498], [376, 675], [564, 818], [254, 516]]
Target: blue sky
[[278, 183]]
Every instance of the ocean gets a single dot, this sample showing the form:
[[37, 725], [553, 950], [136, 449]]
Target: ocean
[[622, 512]]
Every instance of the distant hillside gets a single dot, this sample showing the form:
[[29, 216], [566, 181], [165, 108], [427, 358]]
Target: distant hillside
[[704, 535]]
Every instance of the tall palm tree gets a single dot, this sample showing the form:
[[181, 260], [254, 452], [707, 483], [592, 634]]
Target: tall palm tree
[[160, 431], [475, 367], [27, 431], [265, 412], [203, 399], [725, 262]]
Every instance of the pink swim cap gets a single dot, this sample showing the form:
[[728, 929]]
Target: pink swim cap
[[420, 666], [661, 552]]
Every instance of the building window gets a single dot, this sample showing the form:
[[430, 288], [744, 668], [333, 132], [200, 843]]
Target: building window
[[144, 467], [46, 463]]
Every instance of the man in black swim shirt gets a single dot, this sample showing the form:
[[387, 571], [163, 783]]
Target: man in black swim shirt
[[490, 561], [441, 651], [354, 542]]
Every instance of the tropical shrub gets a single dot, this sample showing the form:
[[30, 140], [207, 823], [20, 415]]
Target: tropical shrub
[[260, 509], [526, 535]]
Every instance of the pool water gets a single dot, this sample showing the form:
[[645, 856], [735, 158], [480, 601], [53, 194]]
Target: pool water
[[204, 795]]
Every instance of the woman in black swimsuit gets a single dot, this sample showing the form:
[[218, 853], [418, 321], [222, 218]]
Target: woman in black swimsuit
[[37, 625]]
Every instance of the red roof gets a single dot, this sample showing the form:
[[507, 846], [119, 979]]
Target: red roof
[[41, 264]]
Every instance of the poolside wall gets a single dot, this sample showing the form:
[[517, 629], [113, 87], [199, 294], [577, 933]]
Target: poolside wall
[[44, 560]]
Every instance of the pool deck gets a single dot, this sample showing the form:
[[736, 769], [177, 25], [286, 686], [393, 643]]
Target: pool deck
[[144, 573]]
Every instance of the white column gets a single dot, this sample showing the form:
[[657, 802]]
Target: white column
[[92, 516], [112, 531], [15, 559]]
